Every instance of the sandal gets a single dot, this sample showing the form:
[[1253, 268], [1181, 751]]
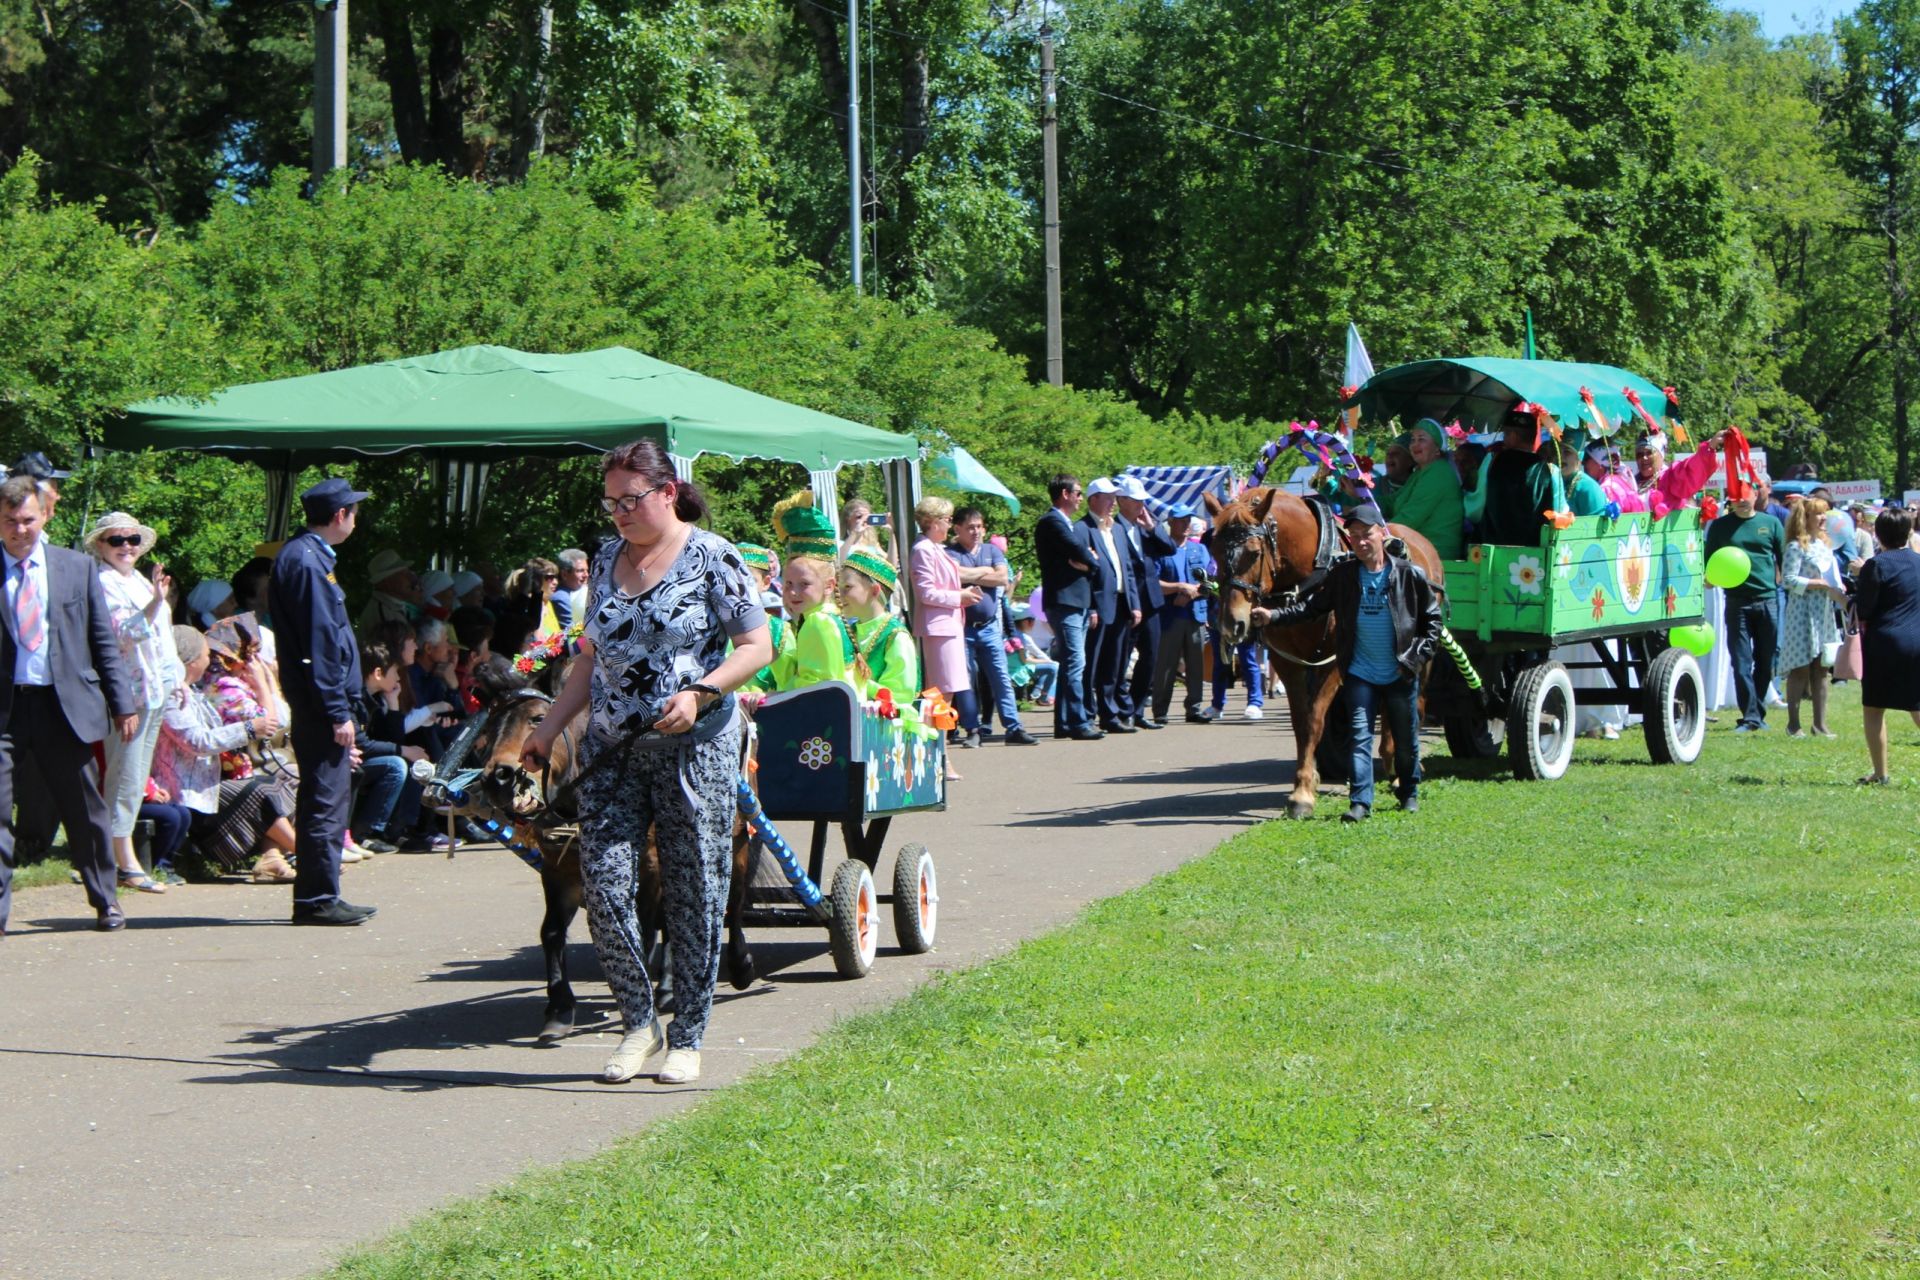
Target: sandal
[[1873, 780], [141, 881], [272, 869]]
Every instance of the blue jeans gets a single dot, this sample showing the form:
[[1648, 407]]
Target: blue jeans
[[1041, 686], [1253, 661], [1396, 702], [1753, 636], [987, 652], [1070, 709], [389, 798]]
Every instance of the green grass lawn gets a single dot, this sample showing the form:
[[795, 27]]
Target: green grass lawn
[[1641, 1021]]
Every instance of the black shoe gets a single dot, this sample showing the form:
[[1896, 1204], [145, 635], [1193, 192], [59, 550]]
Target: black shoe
[[111, 920], [1354, 813], [1087, 735], [335, 912], [374, 844], [1147, 722], [1021, 738], [1206, 715], [1117, 726], [1410, 805]]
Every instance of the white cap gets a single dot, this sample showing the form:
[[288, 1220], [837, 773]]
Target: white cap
[[434, 581], [1130, 487], [1102, 485]]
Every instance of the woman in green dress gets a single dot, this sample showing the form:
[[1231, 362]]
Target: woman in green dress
[[1430, 501]]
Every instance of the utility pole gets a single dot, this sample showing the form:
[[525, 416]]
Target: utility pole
[[853, 133], [1050, 148], [329, 88]]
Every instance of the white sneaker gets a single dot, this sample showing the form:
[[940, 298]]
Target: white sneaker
[[1254, 713], [681, 1067], [350, 855], [1610, 733], [635, 1048]]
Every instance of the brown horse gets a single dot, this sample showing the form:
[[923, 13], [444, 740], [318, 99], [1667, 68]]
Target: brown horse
[[541, 811], [1266, 543]]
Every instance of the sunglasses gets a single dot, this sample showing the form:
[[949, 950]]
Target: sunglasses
[[631, 503], [123, 539]]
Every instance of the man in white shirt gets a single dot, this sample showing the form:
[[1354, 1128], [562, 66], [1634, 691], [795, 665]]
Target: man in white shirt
[[62, 688]]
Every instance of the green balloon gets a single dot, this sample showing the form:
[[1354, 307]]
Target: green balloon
[[1728, 567], [1696, 639]]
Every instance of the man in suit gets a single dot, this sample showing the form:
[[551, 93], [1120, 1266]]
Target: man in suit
[[1148, 542], [319, 671], [1069, 575], [1117, 603], [61, 678]]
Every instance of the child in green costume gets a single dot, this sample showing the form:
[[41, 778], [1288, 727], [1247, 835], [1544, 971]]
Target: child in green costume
[[760, 563], [820, 648], [884, 652]]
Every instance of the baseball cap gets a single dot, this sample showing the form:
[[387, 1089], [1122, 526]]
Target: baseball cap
[[1130, 487], [1181, 511], [1101, 485], [1366, 513], [330, 495]]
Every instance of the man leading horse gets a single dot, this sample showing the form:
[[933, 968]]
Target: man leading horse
[[1371, 619]]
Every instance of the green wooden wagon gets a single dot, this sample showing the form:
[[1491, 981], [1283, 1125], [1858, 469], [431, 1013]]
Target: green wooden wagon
[[1609, 587]]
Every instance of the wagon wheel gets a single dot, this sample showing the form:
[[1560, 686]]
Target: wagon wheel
[[1540, 726], [1474, 735], [916, 898], [854, 927], [1676, 717]]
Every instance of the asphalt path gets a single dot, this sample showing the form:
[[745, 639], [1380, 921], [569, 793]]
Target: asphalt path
[[212, 1093]]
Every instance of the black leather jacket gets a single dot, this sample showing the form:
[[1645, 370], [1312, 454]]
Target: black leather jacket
[[1411, 602]]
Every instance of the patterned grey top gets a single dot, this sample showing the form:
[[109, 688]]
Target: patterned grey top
[[648, 647]]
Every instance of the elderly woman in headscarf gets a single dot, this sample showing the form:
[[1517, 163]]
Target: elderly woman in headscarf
[[210, 601], [1429, 502]]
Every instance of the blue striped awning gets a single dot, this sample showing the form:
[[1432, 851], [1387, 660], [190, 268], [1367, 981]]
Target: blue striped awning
[[1168, 487]]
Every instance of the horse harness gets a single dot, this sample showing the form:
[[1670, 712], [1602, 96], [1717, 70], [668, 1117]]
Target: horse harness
[[1329, 549]]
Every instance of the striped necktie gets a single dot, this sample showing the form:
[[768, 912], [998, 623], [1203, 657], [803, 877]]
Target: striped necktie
[[30, 618]]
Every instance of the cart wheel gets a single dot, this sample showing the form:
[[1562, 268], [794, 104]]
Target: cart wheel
[[854, 928], [1676, 718], [916, 898], [1540, 727], [1473, 736]]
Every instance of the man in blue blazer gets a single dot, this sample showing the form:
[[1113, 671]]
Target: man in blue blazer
[[1117, 602], [1148, 541], [1070, 574], [62, 688]]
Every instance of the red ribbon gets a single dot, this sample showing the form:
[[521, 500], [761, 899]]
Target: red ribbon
[[1640, 410], [1742, 475]]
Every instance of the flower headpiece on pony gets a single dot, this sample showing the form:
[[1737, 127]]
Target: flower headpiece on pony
[[547, 648]]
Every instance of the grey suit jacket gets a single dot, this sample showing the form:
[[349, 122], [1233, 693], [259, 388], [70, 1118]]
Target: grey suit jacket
[[89, 675]]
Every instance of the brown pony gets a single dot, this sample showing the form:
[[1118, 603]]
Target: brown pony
[[541, 810], [1265, 543]]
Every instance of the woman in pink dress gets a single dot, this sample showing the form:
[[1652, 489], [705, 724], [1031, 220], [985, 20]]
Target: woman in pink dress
[[939, 616]]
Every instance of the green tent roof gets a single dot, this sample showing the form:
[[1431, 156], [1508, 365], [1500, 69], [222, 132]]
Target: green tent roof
[[477, 401], [1479, 390]]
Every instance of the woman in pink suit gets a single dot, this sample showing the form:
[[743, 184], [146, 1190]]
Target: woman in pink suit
[[939, 615]]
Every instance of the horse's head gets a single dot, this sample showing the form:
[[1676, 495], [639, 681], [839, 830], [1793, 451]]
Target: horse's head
[[1264, 543], [513, 705]]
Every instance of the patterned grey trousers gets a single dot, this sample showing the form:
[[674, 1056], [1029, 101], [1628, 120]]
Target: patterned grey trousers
[[618, 802]]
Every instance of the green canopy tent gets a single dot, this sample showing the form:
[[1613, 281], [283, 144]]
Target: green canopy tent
[[1479, 390], [474, 404]]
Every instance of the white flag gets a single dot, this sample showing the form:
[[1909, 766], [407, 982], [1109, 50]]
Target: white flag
[[1359, 363]]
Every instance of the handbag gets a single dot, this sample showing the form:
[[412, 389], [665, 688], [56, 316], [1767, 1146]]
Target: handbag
[[1847, 663]]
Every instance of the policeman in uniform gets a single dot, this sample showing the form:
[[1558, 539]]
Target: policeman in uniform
[[319, 667]]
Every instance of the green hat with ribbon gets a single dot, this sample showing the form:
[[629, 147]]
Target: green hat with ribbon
[[803, 529], [874, 565], [755, 556]]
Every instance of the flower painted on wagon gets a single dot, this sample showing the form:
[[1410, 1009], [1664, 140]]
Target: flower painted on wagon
[[1673, 600], [816, 753], [1635, 565], [1525, 574], [1599, 604], [1563, 558]]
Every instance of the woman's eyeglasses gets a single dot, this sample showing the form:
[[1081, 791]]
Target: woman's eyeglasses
[[123, 539], [628, 505]]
